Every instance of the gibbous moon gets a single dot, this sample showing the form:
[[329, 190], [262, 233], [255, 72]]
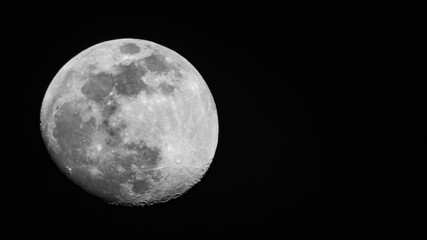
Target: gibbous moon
[[131, 122]]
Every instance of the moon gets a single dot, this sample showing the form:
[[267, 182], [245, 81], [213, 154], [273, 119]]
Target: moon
[[131, 122]]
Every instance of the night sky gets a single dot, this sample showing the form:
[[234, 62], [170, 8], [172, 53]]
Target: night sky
[[322, 123]]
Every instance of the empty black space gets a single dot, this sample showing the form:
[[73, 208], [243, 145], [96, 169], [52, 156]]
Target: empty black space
[[322, 119]]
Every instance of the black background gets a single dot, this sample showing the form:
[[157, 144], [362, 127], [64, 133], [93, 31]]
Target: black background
[[322, 121]]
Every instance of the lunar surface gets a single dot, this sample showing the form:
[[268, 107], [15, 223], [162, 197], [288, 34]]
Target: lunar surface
[[131, 122]]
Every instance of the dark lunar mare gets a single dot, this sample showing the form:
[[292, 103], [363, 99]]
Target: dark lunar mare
[[70, 131], [98, 86], [71, 135], [141, 186], [69, 75], [114, 139], [166, 89], [128, 82], [156, 63], [109, 108], [105, 187], [129, 49], [145, 156]]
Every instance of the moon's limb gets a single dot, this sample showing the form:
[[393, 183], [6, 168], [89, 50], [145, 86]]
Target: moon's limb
[[187, 123]]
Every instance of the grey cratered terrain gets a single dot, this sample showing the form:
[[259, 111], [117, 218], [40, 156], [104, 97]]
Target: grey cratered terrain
[[131, 122]]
